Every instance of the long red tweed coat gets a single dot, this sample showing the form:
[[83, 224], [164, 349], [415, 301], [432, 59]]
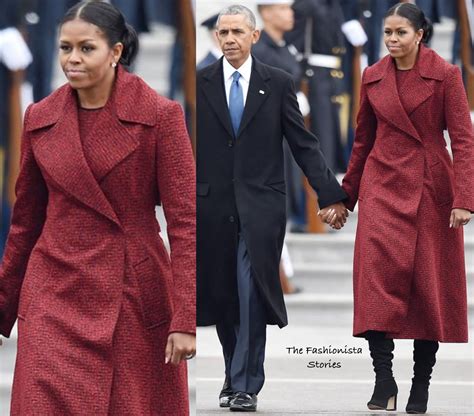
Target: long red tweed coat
[[85, 269], [409, 271]]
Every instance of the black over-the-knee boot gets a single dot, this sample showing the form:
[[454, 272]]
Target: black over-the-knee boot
[[385, 390], [424, 357]]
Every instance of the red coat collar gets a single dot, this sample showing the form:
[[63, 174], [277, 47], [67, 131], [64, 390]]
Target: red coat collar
[[131, 100], [428, 64]]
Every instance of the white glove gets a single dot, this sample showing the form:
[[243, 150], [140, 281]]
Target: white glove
[[303, 103], [354, 32], [14, 52]]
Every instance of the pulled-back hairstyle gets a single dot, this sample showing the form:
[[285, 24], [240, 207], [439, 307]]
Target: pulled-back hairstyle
[[111, 22], [415, 16]]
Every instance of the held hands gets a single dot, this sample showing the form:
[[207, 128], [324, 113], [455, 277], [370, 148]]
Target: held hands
[[180, 346], [459, 217], [335, 215]]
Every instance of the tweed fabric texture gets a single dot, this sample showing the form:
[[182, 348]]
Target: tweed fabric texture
[[409, 271], [85, 269]]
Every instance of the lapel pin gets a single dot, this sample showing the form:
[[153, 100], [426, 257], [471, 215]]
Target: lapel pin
[[262, 92]]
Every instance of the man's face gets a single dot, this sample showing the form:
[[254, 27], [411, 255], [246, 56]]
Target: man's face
[[279, 16], [236, 38]]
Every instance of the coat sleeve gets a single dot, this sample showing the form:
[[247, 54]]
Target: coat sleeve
[[307, 152], [29, 214], [363, 142], [459, 124], [176, 178]]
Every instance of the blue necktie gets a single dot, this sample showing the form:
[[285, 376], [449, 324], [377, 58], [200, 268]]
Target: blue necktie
[[236, 102]]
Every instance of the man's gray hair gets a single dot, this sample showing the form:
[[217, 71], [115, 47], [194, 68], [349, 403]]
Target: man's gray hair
[[238, 9]]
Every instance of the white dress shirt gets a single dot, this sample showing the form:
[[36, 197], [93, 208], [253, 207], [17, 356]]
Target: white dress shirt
[[245, 71]]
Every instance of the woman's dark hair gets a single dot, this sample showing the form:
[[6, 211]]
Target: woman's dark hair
[[109, 20], [416, 17]]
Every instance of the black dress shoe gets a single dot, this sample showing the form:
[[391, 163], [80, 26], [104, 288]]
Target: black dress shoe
[[226, 394], [244, 402]]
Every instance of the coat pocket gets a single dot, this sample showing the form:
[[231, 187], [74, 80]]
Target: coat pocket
[[202, 189], [37, 275], [278, 186], [442, 183], [154, 297]]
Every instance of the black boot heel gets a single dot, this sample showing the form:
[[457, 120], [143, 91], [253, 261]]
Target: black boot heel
[[418, 400], [384, 396]]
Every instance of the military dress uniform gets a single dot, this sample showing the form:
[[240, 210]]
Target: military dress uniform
[[284, 56], [317, 34]]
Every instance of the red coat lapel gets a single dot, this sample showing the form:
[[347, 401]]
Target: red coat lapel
[[59, 150], [383, 93]]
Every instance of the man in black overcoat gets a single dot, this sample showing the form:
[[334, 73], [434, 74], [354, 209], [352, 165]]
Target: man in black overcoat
[[245, 108]]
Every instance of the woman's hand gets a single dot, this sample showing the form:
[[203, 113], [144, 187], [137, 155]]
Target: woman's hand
[[180, 346], [459, 217]]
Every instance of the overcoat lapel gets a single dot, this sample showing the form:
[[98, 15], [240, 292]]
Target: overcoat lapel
[[258, 92], [384, 97], [214, 91], [383, 91], [61, 153], [108, 144]]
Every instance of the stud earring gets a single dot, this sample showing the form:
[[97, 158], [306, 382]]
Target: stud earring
[[114, 64], [417, 42]]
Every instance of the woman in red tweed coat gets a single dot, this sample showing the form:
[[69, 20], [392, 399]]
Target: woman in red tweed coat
[[409, 273], [97, 297]]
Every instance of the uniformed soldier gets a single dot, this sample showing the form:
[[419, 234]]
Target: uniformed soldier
[[214, 52], [272, 49], [317, 34]]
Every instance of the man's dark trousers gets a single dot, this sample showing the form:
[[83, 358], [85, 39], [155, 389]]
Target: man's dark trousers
[[243, 344]]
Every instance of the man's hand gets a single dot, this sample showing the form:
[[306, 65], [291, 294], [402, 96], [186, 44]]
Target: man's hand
[[335, 215], [180, 346]]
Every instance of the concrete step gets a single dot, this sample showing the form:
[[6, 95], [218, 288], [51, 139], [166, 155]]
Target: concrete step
[[337, 278], [338, 248], [326, 308]]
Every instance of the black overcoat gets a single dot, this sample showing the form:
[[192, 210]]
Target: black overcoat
[[241, 187]]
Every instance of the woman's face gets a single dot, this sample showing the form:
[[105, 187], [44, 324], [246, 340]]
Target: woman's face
[[85, 55], [400, 37]]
